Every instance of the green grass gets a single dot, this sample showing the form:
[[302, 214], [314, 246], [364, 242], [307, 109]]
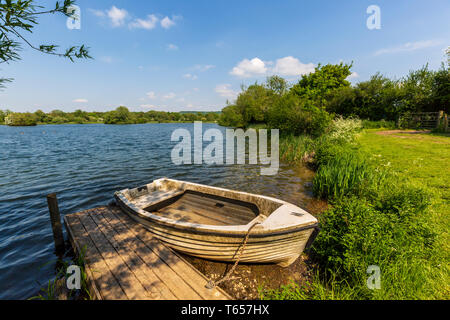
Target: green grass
[[422, 158], [389, 200], [50, 291], [424, 161]]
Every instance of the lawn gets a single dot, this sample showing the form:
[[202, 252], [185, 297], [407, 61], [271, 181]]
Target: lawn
[[423, 159]]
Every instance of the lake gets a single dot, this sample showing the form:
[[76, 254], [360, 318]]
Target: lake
[[84, 165]]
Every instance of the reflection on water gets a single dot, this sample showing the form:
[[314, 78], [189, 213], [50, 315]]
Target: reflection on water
[[85, 164]]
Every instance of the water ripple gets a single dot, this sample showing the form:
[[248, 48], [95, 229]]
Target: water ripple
[[85, 164]]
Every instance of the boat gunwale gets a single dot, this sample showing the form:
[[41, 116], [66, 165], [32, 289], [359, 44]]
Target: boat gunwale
[[231, 231]]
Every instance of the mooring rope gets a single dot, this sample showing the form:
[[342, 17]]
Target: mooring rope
[[211, 283]]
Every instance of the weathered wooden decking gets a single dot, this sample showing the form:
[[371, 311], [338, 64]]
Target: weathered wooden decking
[[124, 261]]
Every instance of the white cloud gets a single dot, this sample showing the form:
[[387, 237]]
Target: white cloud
[[151, 95], [204, 67], [148, 24], [287, 66], [172, 47], [190, 76], [117, 16], [290, 66], [169, 96], [354, 75], [225, 90], [167, 23], [80, 100], [248, 68], [409, 46], [98, 13]]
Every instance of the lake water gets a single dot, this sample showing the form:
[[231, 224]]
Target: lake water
[[84, 165]]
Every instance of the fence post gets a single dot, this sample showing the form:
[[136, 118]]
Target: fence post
[[438, 121], [55, 219], [446, 123]]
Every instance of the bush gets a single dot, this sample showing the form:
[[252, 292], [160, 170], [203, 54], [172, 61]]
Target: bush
[[119, 116], [231, 117], [367, 124], [20, 119], [391, 232], [344, 130], [296, 116]]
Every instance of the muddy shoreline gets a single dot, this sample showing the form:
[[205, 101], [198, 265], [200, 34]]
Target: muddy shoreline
[[248, 280]]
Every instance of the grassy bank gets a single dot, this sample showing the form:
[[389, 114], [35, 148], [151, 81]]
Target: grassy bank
[[389, 207]]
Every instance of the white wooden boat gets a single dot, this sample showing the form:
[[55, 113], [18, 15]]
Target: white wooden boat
[[212, 223]]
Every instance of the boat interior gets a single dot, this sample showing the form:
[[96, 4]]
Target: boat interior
[[197, 207], [198, 204]]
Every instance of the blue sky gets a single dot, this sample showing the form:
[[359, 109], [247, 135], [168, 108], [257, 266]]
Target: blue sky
[[194, 55]]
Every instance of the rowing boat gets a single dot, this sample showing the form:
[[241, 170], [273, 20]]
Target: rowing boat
[[212, 223]]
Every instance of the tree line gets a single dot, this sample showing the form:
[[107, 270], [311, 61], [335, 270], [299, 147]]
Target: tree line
[[119, 116], [308, 106]]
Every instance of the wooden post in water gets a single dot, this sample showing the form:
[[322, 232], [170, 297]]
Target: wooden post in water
[[55, 219]]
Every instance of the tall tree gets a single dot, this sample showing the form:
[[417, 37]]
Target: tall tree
[[315, 86], [18, 17]]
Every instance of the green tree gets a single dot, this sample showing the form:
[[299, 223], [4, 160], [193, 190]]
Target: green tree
[[81, 114], [210, 117], [277, 84], [40, 116], [375, 99], [21, 119], [294, 115], [21, 16], [119, 116], [315, 86], [417, 89], [3, 115], [231, 117], [254, 102], [441, 89]]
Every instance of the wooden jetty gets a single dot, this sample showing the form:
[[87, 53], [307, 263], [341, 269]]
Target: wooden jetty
[[123, 261]]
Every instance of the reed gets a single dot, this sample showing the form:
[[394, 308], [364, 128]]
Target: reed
[[295, 149], [55, 285], [345, 174]]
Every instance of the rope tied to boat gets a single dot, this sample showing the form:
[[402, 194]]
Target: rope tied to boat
[[211, 283]]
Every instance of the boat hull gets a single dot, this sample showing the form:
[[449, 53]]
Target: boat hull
[[279, 248]]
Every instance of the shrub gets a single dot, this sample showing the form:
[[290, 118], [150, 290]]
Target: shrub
[[231, 117], [20, 119], [391, 233], [367, 124], [119, 116], [296, 116], [344, 130]]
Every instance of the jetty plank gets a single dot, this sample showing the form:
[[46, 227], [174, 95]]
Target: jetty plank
[[124, 261], [146, 276], [102, 282], [195, 278]]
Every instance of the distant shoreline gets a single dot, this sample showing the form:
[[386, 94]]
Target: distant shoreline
[[115, 124]]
